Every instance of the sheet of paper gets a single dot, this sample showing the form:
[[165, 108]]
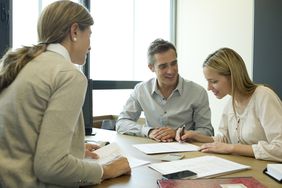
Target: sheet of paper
[[112, 151], [236, 185], [134, 162], [206, 166], [275, 170], [156, 148]]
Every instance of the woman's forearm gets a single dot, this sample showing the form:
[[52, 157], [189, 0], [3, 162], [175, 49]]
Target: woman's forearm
[[241, 149]]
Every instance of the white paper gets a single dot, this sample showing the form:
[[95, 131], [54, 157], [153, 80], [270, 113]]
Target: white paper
[[112, 151], [134, 162], [156, 148], [236, 185], [275, 170], [206, 166]]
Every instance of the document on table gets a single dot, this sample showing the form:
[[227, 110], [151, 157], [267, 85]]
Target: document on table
[[112, 151], [274, 171], [206, 166], [156, 148]]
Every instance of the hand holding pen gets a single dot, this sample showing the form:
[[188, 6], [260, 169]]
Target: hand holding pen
[[179, 133]]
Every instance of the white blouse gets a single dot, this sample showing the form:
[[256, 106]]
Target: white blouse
[[259, 125]]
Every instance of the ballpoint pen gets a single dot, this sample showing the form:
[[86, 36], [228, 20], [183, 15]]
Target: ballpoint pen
[[181, 132]]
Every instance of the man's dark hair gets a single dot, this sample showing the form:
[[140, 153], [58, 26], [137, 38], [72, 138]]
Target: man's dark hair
[[159, 46]]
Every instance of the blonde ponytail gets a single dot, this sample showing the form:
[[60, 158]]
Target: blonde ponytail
[[13, 62]]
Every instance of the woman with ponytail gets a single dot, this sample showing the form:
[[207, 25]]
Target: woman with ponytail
[[41, 98]]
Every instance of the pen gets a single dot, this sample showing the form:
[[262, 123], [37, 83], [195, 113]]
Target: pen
[[99, 143], [181, 132]]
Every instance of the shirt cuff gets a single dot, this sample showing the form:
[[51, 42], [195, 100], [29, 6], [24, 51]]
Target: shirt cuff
[[145, 131]]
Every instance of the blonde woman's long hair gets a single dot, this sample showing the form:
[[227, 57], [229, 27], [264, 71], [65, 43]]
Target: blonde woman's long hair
[[227, 62], [53, 27]]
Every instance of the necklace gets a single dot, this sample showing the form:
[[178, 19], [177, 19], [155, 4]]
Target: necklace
[[238, 129]]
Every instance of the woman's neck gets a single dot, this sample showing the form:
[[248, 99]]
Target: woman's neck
[[241, 102]]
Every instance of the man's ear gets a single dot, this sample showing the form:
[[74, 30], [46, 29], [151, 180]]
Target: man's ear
[[151, 67], [73, 32]]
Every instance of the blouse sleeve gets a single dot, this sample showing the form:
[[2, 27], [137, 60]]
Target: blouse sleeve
[[223, 134], [269, 110]]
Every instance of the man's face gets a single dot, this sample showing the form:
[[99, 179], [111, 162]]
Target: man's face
[[166, 68]]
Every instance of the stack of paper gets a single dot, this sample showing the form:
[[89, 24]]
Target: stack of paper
[[156, 148], [206, 166]]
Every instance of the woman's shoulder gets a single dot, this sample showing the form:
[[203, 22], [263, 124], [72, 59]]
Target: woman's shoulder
[[55, 63], [263, 91], [52, 66], [264, 95]]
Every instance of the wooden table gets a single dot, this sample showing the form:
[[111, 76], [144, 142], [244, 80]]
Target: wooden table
[[144, 176]]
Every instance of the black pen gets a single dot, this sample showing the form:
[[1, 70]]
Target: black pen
[[181, 132], [99, 143]]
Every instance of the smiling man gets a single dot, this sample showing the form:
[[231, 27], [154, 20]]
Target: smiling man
[[168, 101]]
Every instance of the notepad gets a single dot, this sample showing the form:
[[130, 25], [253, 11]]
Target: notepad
[[274, 171], [205, 166], [170, 147]]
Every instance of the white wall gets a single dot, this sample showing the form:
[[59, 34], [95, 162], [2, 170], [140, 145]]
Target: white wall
[[204, 26]]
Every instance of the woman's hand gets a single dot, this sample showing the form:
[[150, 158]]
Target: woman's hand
[[217, 147], [192, 136], [185, 136], [115, 168], [89, 148]]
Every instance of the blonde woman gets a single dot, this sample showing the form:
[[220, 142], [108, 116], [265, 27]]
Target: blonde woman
[[41, 98], [251, 123]]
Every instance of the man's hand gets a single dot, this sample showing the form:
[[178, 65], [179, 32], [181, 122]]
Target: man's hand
[[163, 134]]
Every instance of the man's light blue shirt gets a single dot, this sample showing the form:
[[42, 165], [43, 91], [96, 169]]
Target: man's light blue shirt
[[188, 104]]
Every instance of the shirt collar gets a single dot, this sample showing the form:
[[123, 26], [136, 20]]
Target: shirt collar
[[60, 49], [178, 88], [155, 86]]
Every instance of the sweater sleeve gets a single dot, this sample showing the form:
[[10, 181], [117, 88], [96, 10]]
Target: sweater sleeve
[[54, 162]]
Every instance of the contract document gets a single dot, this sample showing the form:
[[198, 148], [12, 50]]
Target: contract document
[[157, 148], [205, 166]]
